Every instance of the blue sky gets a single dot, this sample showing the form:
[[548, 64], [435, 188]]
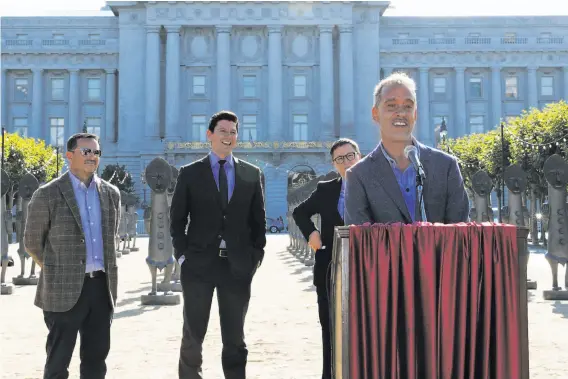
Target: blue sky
[[399, 7]]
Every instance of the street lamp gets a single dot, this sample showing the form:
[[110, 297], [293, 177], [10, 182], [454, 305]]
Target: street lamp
[[3, 131]]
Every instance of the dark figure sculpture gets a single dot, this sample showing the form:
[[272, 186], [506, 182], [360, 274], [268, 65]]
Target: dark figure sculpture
[[5, 288], [556, 174], [28, 185], [482, 186]]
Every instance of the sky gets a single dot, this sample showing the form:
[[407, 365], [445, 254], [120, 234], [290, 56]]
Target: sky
[[399, 7]]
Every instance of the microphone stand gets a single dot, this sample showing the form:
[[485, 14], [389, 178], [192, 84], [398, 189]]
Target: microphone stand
[[420, 191]]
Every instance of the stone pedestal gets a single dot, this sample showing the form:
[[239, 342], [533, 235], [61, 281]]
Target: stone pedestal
[[23, 281], [555, 295], [6, 289], [167, 298]]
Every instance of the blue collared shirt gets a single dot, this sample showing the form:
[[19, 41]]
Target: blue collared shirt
[[229, 167], [341, 201], [91, 221], [406, 181]]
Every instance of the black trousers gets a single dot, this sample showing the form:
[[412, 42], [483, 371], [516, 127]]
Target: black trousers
[[324, 318], [233, 296], [91, 317]]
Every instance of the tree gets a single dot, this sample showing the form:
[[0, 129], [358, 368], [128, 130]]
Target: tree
[[119, 176], [24, 155]]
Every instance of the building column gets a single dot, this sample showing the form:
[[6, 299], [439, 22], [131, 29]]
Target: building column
[[223, 68], [533, 87], [37, 130], [110, 111], [424, 123], [496, 95], [460, 129], [326, 82], [275, 130], [346, 84], [565, 83], [172, 83], [387, 71], [152, 117], [75, 124], [4, 99]]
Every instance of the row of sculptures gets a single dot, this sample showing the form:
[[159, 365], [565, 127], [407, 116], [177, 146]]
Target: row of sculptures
[[555, 214]]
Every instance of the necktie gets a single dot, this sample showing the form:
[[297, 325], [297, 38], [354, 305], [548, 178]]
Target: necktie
[[223, 185]]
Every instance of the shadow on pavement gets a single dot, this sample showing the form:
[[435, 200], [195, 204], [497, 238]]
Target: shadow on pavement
[[560, 308], [135, 312]]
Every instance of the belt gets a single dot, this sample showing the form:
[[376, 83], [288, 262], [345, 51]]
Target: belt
[[95, 274], [223, 253]]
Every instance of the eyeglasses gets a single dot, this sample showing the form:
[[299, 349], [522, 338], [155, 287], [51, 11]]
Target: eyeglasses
[[341, 159], [86, 151]]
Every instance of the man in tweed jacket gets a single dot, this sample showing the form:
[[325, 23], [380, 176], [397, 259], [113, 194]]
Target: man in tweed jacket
[[70, 235]]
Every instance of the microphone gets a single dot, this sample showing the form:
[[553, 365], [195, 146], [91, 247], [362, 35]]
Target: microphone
[[411, 153]]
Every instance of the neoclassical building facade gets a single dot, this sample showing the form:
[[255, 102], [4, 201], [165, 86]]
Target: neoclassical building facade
[[147, 76]]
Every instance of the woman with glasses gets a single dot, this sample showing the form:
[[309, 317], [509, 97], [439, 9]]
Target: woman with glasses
[[327, 201]]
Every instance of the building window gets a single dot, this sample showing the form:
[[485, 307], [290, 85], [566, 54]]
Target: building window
[[21, 36], [94, 125], [57, 89], [300, 127], [58, 36], [94, 89], [199, 85], [199, 128], [21, 89], [476, 124], [94, 36], [248, 128], [57, 131], [475, 87], [510, 37], [511, 87], [249, 86], [547, 86], [21, 126], [439, 85], [299, 85]]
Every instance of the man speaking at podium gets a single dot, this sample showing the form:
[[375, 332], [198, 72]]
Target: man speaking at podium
[[385, 185]]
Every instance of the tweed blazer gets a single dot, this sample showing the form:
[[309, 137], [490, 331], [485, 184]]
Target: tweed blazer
[[55, 239], [373, 195]]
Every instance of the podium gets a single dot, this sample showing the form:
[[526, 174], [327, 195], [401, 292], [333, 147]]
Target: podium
[[479, 282]]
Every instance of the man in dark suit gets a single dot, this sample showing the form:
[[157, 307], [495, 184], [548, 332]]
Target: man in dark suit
[[70, 234], [381, 188], [222, 248], [327, 201]]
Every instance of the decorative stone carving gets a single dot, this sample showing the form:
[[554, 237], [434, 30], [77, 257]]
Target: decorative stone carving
[[299, 44], [27, 186], [123, 224], [132, 221], [5, 288], [482, 186], [158, 175], [556, 174]]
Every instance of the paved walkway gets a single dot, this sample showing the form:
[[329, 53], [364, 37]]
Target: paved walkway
[[282, 330]]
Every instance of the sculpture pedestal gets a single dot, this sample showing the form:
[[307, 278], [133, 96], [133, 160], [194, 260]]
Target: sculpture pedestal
[[134, 249], [160, 299], [555, 295], [531, 284], [174, 286], [119, 254], [6, 289], [23, 281], [125, 251]]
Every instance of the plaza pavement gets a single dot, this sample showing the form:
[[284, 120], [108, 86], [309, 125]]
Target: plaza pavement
[[282, 330]]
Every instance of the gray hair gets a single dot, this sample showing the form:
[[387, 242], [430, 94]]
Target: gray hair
[[395, 79]]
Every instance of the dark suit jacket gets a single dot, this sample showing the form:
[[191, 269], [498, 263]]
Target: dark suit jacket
[[322, 201], [54, 238], [372, 193], [242, 224]]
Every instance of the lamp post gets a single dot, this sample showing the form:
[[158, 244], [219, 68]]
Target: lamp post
[[57, 160], [502, 125], [3, 131]]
